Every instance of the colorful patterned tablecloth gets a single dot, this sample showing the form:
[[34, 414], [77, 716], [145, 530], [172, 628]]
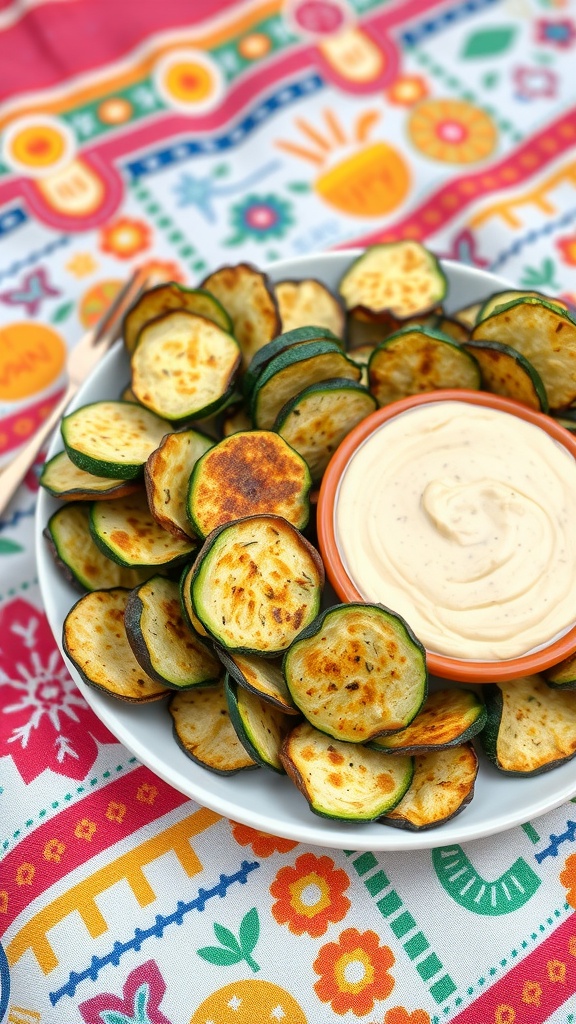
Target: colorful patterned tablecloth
[[180, 136]]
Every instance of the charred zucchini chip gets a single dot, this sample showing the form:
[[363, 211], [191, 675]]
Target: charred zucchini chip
[[202, 728], [184, 366], [112, 439], [248, 297], [261, 676], [357, 672], [442, 786], [291, 371], [341, 780], [248, 473], [451, 328], [76, 554], [281, 344], [126, 531], [415, 360], [545, 335], [397, 278], [166, 298], [320, 417], [62, 479], [563, 675], [530, 727], [309, 302], [256, 583], [260, 727], [188, 612], [167, 475], [501, 298], [94, 638], [448, 718], [506, 372], [162, 643]]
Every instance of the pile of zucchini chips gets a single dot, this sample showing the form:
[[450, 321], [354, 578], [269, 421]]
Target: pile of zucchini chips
[[185, 520]]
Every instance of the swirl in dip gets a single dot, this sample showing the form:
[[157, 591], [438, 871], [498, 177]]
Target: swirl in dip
[[462, 519]]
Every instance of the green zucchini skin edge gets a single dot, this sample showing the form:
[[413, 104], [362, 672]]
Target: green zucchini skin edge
[[63, 566], [531, 372], [137, 641], [279, 344], [230, 688], [174, 563], [236, 677], [473, 730], [435, 267], [489, 735], [306, 350], [409, 826], [208, 768]]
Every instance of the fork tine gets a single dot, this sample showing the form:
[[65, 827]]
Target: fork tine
[[133, 287]]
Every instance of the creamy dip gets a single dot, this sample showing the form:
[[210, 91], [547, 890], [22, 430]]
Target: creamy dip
[[462, 519]]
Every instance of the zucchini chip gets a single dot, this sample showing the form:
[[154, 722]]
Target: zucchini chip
[[448, 718], [442, 786], [418, 359], [234, 419], [357, 672], [62, 479], [202, 728], [166, 298], [248, 297], [256, 583], [341, 780], [280, 344], [261, 676], [545, 335], [94, 638], [467, 315], [506, 372], [76, 554], [251, 472], [167, 474], [309, 302], [112, 439], [126, 531], [502, 298], [398, 279], [320, 417], [188, 612], [563, 675], [162, 643], [260, 727], [530, 727], [365, 332], [452, 328], [293, 370], [184, 366]]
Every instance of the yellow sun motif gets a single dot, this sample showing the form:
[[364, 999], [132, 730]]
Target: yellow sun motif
[[82, 264], [452, 131]]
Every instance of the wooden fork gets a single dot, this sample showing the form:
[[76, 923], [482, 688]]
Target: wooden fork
[[81, 361]]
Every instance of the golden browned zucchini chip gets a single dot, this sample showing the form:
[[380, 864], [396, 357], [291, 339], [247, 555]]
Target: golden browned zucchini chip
[[126, 531], [506, 372], [442, 786], [419, 359], [309, 302], [260, 727], [95, 640], [203, 730], [261, 676], [112, 438], [62, 479], [165, 298], [248, 297], [167, 475], [400, 279], [448, 718], [530, 727]]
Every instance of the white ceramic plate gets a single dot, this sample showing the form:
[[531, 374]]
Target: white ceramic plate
[[261, 798]]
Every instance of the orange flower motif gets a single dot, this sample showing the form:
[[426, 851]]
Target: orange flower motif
[[398, 1015], [532, 993], [262, 844], [158, 271], [556, 971], [354, 972], [567, 247], [25, 874], [504, 1014], [572, 945], [82, 264], [115, 811], [3, 902], [85, 829], [452, 131], [310, 895], [125, 238], [54, 850], [407, 90], [146, 793]]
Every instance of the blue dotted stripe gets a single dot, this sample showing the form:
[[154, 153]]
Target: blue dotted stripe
[[531, 236], [445, 19], [185, 149], [12, 219], [36, 256]]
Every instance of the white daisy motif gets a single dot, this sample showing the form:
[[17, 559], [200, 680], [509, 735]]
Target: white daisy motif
[[277, 1013], [235, 1003]]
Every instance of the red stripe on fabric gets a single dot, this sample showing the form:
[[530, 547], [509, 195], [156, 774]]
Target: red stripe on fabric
[[16, 429], [78, 833], [447, 202], [535, 987], [51, 43]]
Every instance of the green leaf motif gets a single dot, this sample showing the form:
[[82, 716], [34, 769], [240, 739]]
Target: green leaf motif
[[540, 277], [9, 547], [489, 42], [225, 936], [298, 186], [221, 957], [249, 931], [62, 313]]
